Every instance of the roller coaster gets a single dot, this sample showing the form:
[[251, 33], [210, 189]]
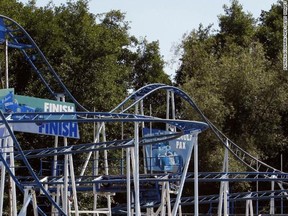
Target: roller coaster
[[147, 169]]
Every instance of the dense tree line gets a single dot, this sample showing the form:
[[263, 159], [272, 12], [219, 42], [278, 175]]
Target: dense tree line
[[236, 76], [94, 54], [99, 47]]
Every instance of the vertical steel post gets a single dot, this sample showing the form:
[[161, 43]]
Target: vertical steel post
[[196, 192], [281, 162], [55, 159], [167, 108], [12, 188], [122, 150], [136, 167], [6, 65], [106, 165], [3, 172], [26, 200], [142, 127], [272, 202], [72, 176], [184, 173], [96, 165], [226, 198], [168, 201], [66, 175], [128, 181], [1, 80], [220, 204], [59, 191], [173, 107], [163, 199], [224, 186], [34, 202], [150, 132], [180, 210], [249, 208], [226, 183], [257, 188]]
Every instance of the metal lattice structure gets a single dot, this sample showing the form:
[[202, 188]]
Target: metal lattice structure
[[147, 190]]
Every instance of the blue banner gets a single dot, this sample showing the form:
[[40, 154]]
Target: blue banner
[[11, 103], [167, 156]]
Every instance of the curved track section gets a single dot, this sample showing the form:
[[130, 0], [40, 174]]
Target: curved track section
[[242, 155], [184, 126], [18, 38], [93, 147], [28, 166]]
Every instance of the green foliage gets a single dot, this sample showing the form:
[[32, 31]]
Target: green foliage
[[93, 54], [200, 46], [235, 81], [270, 31], [148, 68], [235, 25], [149, 65]]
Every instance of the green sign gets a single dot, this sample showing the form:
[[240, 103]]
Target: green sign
[[23, 104]]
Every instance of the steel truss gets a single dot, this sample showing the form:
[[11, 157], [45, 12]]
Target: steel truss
[[164, 189]]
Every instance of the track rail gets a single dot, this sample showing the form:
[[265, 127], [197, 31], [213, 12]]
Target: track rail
[[243, 156], [18, 38]]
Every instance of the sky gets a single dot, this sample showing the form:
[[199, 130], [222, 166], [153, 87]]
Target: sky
[[168, 20]]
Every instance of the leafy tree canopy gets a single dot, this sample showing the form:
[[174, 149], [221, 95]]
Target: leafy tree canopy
[[235, 76], [94, 54]]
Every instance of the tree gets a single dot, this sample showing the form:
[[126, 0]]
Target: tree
[[148, 66], [232, 81], [200, 45], [236, 26], [270, 31]]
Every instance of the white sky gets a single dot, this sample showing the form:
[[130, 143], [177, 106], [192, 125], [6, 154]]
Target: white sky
[[168, 20]]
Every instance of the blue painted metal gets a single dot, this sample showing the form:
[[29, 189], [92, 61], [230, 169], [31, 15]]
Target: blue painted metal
[[81, 117], [28, 166], [210, 199], [18, 38], [2, 31], [88, 147], [244, 157]]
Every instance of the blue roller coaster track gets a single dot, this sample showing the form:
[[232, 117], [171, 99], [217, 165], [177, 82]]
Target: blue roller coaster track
[[135, 178]]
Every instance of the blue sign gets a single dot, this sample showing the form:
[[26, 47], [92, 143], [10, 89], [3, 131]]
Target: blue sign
[[11, 103], [167, 156]]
